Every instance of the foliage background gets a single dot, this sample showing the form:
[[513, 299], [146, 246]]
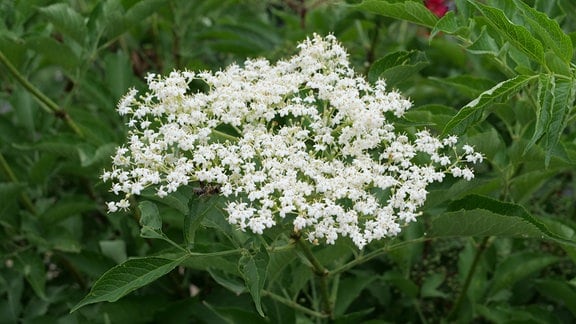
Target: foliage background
[[498, 249]]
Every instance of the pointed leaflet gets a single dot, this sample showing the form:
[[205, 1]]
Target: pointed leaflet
[[150, 220], [484, 44], [127, 277], [398, 66], [67, 21], [517, 35], [476, 215], [253, 268], [473, 112], [449, 24], [555, 101], [412, 11], [547, 30]]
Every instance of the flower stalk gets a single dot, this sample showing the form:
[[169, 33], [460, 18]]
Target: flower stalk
[[319, 270]]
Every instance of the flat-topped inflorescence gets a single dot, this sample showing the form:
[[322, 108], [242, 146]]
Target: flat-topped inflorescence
[[312, 144]]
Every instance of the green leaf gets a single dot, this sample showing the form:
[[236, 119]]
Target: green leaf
[[484, 44], [412, 11], [25, 106], [518, 267], [555, 101], [397, 67], [253, 269], [349, 289], [197, 210], [177, 200], [517, 35], [476, 215], [229, 282], [66, 20], [54, 52], [67, 207], [141, 10], [9, 209], [480, 222], [127, 277], [150, 219], [467, 85], [430, 287], [118, 73], [559, 291], [89, 156], [114, 249], [405, 285], [449, 24], [32, 266], [473, 112], [547, 30], [435, 116]]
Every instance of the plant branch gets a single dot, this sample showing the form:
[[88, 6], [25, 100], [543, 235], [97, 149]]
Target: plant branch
[[293, 304], [44, 101], [319, 270], [456, 306]]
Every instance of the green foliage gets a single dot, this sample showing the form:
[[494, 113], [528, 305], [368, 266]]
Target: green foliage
[[499, 73]]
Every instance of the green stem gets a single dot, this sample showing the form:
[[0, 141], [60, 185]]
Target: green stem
[[12, 177], [44, 101], [293, 304], [320, 271], [466, 285]]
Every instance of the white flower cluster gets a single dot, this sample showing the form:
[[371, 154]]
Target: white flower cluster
[[305, 141]]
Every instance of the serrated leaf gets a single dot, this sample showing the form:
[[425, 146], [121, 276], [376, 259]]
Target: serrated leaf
[[397, 67], [448, 24], [517, 267], [412, 11], [473, 112], [253, 269], [555, 101], [67, 20], [547, 30], [476, 215], [517, 35], [484, 44], [127, 277], [480, 222]]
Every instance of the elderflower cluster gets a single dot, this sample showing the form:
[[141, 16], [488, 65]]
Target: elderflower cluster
[[305, 141]]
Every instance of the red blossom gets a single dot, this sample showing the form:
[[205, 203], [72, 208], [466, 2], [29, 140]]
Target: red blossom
[[438, 7]]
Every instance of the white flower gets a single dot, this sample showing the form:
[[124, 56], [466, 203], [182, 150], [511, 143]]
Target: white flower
[[313, 145]]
